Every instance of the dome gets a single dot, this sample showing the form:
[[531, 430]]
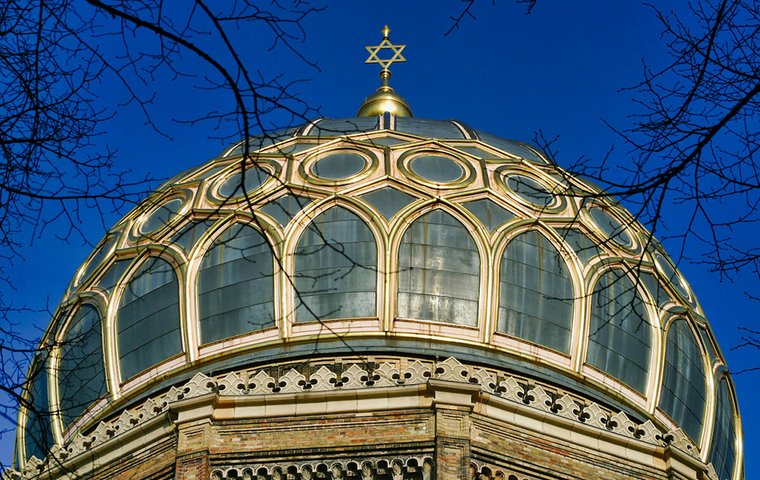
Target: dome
[[456, 254]]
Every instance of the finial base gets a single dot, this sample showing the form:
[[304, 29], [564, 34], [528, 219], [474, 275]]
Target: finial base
[[385, 99]]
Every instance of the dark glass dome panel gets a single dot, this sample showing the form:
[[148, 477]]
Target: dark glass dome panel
[[620, 332], [490, 214], [38, 434], [236, 285], [338, 166], [684, 391], [514, 147], [284, 208], [81, 377], [436, 168], [191, 233], [611, 226], [438, 271], [530, 190], [240, 184], [336, 268], [388, 201], [723, 445], [336, 127], [148, 318], [162, 215], [536, 293], [428, 128], [582, 245]]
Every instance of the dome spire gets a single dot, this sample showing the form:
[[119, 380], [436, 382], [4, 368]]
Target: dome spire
[[385, 99]]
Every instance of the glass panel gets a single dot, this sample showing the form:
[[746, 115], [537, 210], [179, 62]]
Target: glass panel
[[336, 268], [683, 386], [339, 126], [428, 128], [386, 141], [669, 272], [294, 148], [619, 335], [436, 169], [162, 215], [285, 208], [654, 288], [438, 271], [190, 233], [530, 190], [210, 172], [104, 250], [339, 165], [148, 318], [81, 380], [581, 244], [511, 146], [109, 279], [234, 186], [723, 446], [536, 296], [489, 213], [476, 151], [38, 434], [611, 227], [708, 345], [236, 285], [388, 201], [260, 141]]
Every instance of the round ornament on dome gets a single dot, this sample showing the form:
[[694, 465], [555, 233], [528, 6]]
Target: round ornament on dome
[[436, 170], [240, 184], [528, 190], [162, 215], [611, 227], [339, 166]]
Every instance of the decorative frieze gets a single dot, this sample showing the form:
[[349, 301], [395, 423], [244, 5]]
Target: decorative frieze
[[399, 372]]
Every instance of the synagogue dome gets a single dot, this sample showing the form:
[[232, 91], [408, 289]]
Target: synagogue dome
[[351, 244]]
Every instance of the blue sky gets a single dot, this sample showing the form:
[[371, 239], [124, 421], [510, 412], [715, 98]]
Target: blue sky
[[559, 69]]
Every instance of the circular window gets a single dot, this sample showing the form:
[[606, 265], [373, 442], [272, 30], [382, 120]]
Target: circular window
[[530, 190], [669, 271], [162, 215], [338, 166], [437, 169], [240, 183], [611, 226]]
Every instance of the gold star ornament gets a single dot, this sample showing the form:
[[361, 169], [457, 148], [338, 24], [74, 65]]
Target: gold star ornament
[[390, 53]]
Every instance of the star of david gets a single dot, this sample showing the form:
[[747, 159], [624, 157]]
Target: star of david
[[386, 44]]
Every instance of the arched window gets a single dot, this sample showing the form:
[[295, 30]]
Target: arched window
[[620, 332], [336, 268], [38, 433], [438, 271], [81, 377], [148, 318], [536, 294], [236, 285], [723, 446], [683, 385]]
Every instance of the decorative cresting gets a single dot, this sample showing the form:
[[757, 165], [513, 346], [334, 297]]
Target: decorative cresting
[[375, 467], [385, 99], [360, 234], [356, 375]]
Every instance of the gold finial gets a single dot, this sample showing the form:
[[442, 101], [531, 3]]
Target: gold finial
[[385, 99]]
